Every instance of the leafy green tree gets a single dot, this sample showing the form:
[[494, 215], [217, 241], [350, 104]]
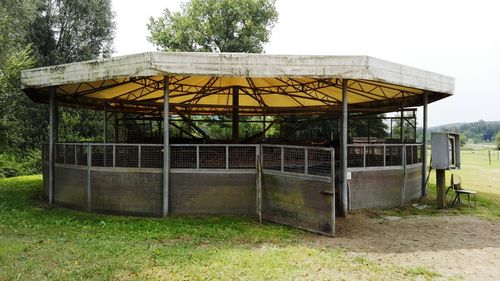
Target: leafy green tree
[[38, 33], [215, 26], [72, 30]]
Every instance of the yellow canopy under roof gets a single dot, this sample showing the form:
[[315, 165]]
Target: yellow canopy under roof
[[203, 83]]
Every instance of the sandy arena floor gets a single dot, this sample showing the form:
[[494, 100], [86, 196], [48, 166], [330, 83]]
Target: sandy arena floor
[[457, 247]]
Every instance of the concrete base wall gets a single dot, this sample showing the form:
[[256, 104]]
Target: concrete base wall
[[127, 192], [213, 193], [381, 188], [297, 201], [71, 187]]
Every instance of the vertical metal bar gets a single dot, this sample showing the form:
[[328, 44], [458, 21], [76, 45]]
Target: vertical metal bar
[[401, 127], [236, 114], [258, 159], [332, 167], [74, 152], [403, 176], [306, 161], [52, 132], [116, 126], [89, 190], [198, 156], [166, 145], [424, 147], [344, 148], [114, 155], [384, 154], [364, 155], [227, 157], [104, 123], [64, 154], [282, 159], [139, 156], [105, 131]]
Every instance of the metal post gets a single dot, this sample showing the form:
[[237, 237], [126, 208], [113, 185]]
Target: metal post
[[166, 146], [424, 148], [344, 149], [364, 155], [104, 123], [403, 176], [116, 126], [282, 159], [401, 126], [332, 167], [306, 161], [227, 157], [440, 189], [236, 114], [52, 140], [89, 187], [105, 131]]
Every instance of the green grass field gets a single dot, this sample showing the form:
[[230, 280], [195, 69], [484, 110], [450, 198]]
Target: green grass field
[[38, 243]]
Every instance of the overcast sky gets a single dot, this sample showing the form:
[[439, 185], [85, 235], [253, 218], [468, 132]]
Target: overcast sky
[[456, 38]]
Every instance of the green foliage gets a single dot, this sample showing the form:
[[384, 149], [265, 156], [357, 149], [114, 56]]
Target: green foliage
[[39, 33], [476, 132], [497, 140], [27, 163], [72, 30], [215, 26]]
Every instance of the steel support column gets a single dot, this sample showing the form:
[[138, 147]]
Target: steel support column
[[236, 114], [104, 122], [53, 124], [166, 148], [344, 195], [424, 146]]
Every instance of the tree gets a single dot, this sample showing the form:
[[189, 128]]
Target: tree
[[72, 30], [39, 33], [215, 26]]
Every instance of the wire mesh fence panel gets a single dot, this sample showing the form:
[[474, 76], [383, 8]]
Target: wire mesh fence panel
[[242, 157], [59, 153], [126, 156], [151, 156], [374, 156], [410, 154], [69, 154], [393, 155], [294, 160], [81, 154], [355, 156], [97, 155], [183, 157], [212, 157], [271, 158], [108, 156], [319, 162]]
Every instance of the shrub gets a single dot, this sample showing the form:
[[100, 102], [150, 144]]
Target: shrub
[[16, 164]]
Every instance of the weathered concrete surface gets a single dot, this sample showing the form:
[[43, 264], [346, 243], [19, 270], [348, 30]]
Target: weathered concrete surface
[[381, 188], [137, 193], [297, 201], [71, 187], [213, 193], [238, 65]]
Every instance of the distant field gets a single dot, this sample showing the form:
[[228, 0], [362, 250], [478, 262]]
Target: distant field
[[477, 174]]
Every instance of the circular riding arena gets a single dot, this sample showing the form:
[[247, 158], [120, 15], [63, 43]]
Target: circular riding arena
[[290, 139]]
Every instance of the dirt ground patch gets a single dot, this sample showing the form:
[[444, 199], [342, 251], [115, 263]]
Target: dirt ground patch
[[456, 247]]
